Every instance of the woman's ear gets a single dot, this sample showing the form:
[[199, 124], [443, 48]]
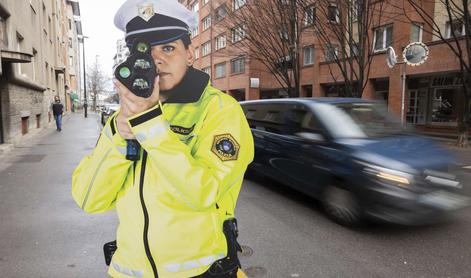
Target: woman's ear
[[190, 55]]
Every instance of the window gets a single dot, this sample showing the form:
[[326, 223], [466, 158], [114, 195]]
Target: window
[[206, 22], [383, 38], [309, 15], [220, 70], [308, 54], [267, 117], [236, 4], [33, 14], [283, 32], [207, 70], [220, 41], [416, 32], [70, 24], [195, 7], [331, 53], [333, 13], [298, 119], [194, 31], [455, 29], [19, 47], [238, 65], [220, 13], [238, 33], [197, 53], [71, 61], [34, 63], [444, 105], [354, 10], [3, 32], [206, 48], [354, 51]]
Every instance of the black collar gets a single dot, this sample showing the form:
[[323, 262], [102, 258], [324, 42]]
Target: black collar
[[190, 88]]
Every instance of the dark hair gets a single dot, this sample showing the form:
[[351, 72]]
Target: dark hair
[[186, 40]]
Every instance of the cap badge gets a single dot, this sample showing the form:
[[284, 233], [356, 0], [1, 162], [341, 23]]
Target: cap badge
[[146, 11]]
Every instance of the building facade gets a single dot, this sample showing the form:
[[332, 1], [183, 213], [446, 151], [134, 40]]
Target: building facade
[[34, 64], [432, 91]]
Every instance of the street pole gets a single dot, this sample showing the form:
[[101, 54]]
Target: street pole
[[404, 68], [85, 104]]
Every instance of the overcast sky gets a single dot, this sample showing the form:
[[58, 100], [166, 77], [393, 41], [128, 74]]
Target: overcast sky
[[97, 24]]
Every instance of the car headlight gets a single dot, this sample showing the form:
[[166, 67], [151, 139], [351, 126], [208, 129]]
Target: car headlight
[[395, 177]]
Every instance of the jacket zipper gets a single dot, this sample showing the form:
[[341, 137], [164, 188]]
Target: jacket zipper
[[146, 215], [93, 178]]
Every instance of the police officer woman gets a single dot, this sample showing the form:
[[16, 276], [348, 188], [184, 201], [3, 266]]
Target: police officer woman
[[176, 203]]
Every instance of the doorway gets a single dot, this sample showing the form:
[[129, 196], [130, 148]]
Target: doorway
[[417, 108]]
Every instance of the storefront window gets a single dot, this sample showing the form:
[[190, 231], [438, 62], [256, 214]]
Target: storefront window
[[444, 105]]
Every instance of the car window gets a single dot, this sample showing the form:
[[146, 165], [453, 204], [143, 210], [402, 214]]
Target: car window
[[265, 116], [299, 119]]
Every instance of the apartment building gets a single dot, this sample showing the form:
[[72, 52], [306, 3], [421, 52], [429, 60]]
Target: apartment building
[[432, 92], [122, 52], [35, 66]]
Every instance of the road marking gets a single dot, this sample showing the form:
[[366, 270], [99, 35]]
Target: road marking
[[467, 167]]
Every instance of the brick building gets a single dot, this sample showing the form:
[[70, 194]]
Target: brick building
[[37, 40], [432, 93]]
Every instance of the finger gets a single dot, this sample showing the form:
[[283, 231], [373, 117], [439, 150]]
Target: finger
[[128, 108], [122, 89], [156, 92]]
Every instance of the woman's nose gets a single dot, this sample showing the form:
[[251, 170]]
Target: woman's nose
[[157, 57]]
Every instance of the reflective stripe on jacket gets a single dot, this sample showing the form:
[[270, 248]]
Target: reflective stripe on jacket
[[171, 203]]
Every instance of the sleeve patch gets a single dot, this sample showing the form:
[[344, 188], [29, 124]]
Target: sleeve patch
[[225, 147]]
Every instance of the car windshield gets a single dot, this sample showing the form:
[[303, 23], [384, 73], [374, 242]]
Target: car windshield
[[359, 120]]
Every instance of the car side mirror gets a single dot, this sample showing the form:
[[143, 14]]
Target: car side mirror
[[314, 137]]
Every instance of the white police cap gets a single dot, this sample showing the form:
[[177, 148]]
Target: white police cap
[[158, 21]]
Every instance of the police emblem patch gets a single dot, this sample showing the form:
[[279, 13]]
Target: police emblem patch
[[146, 11], [225, 147]]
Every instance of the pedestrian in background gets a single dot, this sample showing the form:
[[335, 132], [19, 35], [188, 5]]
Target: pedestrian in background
[[58, 111], [176, 203]]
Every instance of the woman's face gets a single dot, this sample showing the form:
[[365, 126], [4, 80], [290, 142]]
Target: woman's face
[[172, 60]]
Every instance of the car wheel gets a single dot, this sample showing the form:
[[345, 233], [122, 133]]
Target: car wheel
[[342, 206]]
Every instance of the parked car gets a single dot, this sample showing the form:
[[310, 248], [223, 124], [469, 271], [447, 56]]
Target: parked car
[[107, 111], [354, 157]]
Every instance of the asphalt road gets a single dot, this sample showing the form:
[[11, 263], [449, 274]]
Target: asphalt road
[[44, 234], [289, 236]]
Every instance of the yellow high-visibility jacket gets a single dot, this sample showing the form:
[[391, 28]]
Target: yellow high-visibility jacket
[[171, 203]]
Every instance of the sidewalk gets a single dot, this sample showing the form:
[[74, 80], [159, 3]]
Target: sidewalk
[[43, 232]]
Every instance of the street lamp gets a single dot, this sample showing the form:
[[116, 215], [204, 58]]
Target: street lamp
[[85, 104]]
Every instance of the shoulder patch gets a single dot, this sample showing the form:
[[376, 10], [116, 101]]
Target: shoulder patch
[[225, 147]]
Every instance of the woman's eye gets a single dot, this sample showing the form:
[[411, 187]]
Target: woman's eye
[[168, 48]]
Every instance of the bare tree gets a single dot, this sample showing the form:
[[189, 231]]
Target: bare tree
[[457, 36], [268, 31], [344, 31], [97, 81]]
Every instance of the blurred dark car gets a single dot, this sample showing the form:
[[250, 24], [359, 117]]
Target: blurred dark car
[[107, 111], [354, 157]]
